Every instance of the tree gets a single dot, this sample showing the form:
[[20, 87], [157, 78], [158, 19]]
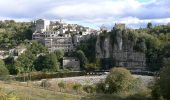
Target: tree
[[9, 62], [85, 45], [118, 80], [3, 70], [164, 81], [83, 59], [59, 54], [37, 48], [149, 25], [24, 63], [46, 62]]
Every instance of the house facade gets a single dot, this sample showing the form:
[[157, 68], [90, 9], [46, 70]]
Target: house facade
[[59, 35]]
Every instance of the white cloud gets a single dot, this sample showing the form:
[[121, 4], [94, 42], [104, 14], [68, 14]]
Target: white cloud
[[89, 12]]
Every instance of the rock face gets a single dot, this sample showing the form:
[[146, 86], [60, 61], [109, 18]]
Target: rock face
[[118, 45], [103, 49]]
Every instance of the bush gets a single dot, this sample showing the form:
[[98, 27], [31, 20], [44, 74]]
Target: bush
[[101, 87], [118, 80], [45, 84], [77, 87], [62, 85], [89, 88]]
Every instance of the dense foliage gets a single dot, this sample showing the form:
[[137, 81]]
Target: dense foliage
[[83, 59], [13, 33], [3, 70], [46, 63], [161, 88], [118, 80]]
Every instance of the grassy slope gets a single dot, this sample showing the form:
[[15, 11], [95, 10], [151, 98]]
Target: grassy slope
[[28, 93]]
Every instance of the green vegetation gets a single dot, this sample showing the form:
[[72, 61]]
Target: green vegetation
[[62, 85], [49, 90], [47, 62], [83, 59], [119, 80], [3, 70], [153, 41], [77, 87], [14, 33], [88, 47], [89, 88], [161, 88]]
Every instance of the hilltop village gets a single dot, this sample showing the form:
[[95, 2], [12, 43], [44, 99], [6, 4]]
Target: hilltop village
[[62, 36]]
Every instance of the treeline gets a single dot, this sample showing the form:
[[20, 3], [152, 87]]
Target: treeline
[[14, 33], [35, 58]]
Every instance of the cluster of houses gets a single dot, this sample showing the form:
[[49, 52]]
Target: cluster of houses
[[59, 35]]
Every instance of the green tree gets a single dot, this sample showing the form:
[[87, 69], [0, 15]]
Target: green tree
[[164, 81], [118, 80], [9, 62], [149, 25], [46, 62], [59, 54], [24, 63], [85, 45], [3, 70], [37, 48], [83, 59]]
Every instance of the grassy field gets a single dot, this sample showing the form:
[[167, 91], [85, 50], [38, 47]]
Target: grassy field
[[31, 93]]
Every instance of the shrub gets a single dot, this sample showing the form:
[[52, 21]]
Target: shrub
[[101, 87], [45, 84], [118, 80], [89, 88], [61, 85], [77, 87]]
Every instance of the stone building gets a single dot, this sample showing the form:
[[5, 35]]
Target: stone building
[[59, 35], [15, 52], [71, 63], [42, 25]]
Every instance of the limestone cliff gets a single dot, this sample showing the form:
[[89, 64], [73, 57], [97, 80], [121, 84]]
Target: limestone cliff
[[119, 44]]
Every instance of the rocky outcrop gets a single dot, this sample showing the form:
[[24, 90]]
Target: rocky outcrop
[[119, 45], [103, 47]]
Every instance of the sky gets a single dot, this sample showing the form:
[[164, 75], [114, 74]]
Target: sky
[[91, 13]]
